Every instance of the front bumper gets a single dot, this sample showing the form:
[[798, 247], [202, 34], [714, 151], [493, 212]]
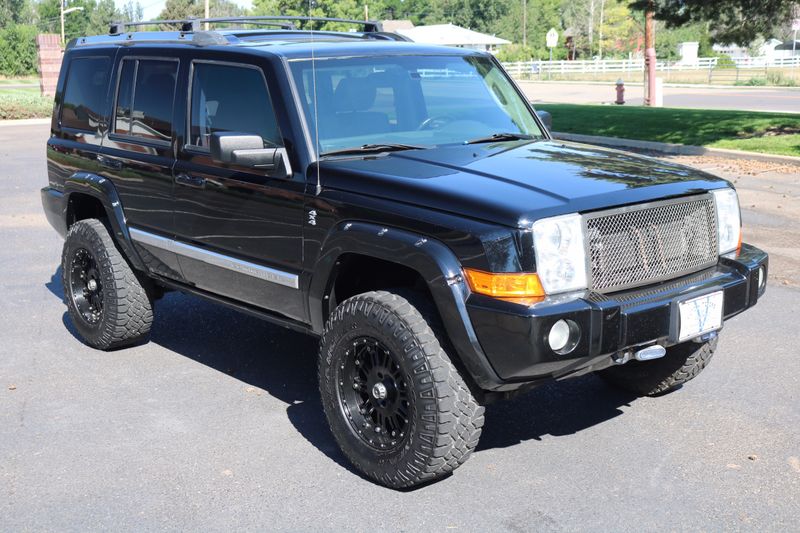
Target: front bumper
[[514, 338]]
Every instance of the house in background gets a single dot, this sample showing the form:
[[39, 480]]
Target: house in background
[[784, 50], [734, 51], [398, 24], [446, 35]]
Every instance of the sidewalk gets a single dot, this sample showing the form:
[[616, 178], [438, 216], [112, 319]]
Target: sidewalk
[[25, 122]]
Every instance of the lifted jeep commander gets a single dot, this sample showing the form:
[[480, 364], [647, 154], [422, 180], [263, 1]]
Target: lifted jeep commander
[[404, 203]]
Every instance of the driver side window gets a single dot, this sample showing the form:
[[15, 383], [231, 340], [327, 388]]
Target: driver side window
[[230, 98]]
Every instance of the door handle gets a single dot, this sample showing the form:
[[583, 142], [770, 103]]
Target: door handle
[[190, 181]]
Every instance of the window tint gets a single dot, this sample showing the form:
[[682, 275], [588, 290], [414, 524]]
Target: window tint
[[144, 99], [216, 107], [122, 121], [85, 93]]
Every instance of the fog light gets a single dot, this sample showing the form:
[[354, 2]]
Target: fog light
[[564, 336], [762, 277]]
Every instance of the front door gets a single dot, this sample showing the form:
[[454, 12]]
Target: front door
[[238, 229]]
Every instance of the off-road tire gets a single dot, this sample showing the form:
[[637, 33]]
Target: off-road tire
[[445, 420], [127, 308], [682, 363]]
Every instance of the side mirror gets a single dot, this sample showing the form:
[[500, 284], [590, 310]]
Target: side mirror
[[547, 118], [248, 151]]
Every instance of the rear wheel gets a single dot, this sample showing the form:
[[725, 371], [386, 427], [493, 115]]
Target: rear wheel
[[105, 299], [397, 407], [682, 363]]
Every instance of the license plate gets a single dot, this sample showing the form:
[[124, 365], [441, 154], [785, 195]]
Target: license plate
[[700, 315]]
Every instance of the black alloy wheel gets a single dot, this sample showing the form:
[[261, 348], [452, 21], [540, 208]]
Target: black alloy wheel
[[86, 286], [374, 394]]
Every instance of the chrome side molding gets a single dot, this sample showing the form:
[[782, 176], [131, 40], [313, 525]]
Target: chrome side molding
[[219, 260]]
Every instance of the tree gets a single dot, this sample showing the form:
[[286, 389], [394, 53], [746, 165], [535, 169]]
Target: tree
[[541, 16], [17, 49], [616, 29], [132, 12], [349, 9], [184, 9], [732, 21]]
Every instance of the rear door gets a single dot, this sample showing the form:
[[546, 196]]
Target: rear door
[[239, 230], [138, 154]]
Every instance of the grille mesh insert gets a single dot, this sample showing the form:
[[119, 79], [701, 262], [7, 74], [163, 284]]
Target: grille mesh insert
[[635, 246]]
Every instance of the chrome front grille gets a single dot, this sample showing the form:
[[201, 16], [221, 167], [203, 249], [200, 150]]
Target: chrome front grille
[[645, 243]]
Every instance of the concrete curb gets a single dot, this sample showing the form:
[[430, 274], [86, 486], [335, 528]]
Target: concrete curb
[[675, 149], [25, 122]]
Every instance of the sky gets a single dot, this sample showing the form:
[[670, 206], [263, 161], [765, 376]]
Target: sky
[[153, 7]]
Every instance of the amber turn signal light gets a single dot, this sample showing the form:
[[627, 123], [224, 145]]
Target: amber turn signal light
[[505, 285]]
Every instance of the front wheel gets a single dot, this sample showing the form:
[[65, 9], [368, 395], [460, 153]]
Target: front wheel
[[105, 299], [396, 405], [682, 363]]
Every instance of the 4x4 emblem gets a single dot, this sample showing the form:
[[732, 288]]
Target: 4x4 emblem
[[312, 217]]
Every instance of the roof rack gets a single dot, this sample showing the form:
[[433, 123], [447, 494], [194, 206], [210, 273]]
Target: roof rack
[[194, 24]]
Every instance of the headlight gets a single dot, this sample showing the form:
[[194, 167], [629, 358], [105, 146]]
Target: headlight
[[729, 222], [560, 257]]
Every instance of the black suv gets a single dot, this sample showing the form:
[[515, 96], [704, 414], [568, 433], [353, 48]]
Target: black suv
[[402, 202]]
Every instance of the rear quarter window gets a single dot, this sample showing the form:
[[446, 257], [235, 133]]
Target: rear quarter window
[[85, 93], [145, 97]]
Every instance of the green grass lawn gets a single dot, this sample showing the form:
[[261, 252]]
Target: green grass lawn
[[772, 133], [18, 81], [24, 103]]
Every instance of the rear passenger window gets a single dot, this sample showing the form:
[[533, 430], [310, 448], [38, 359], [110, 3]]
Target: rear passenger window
[[216, 107], [85, 93], [144, 99]]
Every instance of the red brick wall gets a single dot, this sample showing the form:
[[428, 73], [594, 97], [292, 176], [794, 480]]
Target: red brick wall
[[50, 53]]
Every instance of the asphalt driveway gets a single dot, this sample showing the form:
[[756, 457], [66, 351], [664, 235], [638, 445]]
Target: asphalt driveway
[[216, 424]]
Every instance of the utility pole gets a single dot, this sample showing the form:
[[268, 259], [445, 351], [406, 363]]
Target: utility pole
[[649, 55], [207, 13], [524, 23], [63, 4]]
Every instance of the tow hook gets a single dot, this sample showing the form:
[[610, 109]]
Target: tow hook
[[645, 354]]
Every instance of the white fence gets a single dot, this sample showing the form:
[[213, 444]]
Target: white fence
[[533, 69]]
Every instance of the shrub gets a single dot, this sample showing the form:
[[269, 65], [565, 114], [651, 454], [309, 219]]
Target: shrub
[[725, 61], [781, 80], [18, 50], [752, 82]]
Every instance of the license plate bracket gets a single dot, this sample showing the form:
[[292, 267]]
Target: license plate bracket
[[696, 315]]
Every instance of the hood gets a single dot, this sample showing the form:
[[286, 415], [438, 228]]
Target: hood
[[515, 183]]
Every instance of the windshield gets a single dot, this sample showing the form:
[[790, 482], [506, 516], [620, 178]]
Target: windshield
[[417, 100]]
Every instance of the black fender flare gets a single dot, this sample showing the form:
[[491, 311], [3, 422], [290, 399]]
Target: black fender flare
[[103, 190], [436, 264]]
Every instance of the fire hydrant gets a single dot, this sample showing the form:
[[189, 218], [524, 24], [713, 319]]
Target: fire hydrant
[[620, 92]]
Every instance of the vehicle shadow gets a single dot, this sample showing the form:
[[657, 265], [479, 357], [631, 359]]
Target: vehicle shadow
[[282, 363]]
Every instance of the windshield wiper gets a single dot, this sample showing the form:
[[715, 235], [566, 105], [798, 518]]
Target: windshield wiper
[[501, 137], [373, 149]]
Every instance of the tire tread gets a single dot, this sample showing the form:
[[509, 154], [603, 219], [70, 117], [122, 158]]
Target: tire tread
[[457, 420], [127, 307]]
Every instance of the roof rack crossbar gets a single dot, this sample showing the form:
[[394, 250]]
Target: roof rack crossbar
[[193, 24], [121, 27]]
